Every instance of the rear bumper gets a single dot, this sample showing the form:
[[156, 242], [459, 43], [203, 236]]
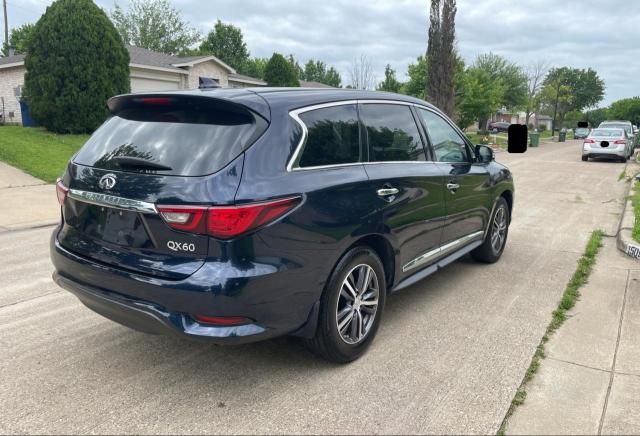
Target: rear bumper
[[277, 302], [604, 152]]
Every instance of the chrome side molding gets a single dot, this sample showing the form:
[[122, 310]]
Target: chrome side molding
[[113, 201], [442, 250]]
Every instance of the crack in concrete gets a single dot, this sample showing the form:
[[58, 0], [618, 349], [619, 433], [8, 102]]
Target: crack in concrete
[[615, 355]]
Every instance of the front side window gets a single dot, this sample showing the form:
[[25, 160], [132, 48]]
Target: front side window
[[392, 132], [448, 145], [333, 136]]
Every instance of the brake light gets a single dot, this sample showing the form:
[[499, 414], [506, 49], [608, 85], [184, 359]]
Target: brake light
[[589, 141], [158, 101], [222, 320], [620, 141], [61, 192], [226, 222]]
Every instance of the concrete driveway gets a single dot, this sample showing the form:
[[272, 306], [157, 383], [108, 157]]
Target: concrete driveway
[[448, 358]]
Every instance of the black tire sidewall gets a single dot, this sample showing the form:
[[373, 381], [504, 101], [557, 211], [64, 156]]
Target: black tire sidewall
[[328, 328]]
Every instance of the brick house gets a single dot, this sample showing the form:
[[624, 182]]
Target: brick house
[[148, 71]]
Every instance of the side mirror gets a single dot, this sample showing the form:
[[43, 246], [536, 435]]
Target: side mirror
[[484, 154]]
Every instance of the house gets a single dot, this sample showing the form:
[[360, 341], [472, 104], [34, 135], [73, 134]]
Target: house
[[536, 120], [148, 71]]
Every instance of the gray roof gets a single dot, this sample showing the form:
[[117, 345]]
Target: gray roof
[[305, 84], [242, 77], [142, 56], [11, 59]]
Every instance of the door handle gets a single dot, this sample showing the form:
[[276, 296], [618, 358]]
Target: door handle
[[385, 192], [453, 187]]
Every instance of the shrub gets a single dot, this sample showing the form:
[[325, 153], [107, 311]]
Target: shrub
[[542, 128], [75, 62]]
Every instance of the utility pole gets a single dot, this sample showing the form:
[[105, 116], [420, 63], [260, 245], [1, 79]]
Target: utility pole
[[6, 26]]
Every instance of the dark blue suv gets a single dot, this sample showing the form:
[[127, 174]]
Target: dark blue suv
[[237, 215]]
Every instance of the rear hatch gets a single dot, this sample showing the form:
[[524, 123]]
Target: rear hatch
[[156, 150], [607, 138]]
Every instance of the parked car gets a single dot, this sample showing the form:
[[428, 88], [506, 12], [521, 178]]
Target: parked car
[[239, 215], [607, 142], [626, 125], [499, 126], [581, 132]]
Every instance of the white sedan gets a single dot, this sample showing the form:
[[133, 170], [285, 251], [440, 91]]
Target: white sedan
[[607, 143]]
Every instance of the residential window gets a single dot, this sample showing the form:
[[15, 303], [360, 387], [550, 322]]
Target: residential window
[[392, 133], [333, 137], [447, 143]]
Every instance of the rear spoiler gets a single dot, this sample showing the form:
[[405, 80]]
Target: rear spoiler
[[243, 103]]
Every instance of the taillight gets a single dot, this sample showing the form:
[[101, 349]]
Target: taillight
[[61, 191], [620, 141], [226, 222], [222, 320], [589, 141]]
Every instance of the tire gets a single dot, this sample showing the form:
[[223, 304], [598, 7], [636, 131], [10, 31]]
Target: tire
[[489, 252], [623, 159], [585, 158], [347, 344]]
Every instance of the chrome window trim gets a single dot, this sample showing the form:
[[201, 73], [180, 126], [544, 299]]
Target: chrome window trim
[[295, 114], [440, 251], [107, 200]]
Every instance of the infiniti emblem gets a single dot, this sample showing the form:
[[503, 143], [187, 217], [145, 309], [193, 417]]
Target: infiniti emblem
[[108, 181]]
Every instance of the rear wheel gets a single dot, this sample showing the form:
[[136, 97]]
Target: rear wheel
[[493, 245], [351, 307], [585, 157], [623, 159]]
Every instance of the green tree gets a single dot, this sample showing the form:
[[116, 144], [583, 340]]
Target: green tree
[[417, 82], [626, 109], [280, 72], [75, 61], [226, 42], [441, 62], [390, 82], [297, 69], [596, 116], [154, 25], [19, 39], [254, 67], [316, 71], [482, 97], [570, 89], [510, 75]]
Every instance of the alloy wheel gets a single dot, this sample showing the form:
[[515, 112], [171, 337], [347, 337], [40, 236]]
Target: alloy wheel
[[499, 230], [357, 304]]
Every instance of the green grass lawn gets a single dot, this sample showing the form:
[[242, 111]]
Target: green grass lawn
[[38, 152], [635, 200]]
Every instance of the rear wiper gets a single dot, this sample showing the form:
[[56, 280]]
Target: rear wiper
[[137, 162]]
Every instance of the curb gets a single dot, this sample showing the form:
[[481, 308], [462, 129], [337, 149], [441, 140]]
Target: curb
[[28, 226], [624, 241]]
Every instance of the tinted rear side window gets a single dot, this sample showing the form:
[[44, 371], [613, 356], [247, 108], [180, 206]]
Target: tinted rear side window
[[190, 139], [392, 132], [333, 136]]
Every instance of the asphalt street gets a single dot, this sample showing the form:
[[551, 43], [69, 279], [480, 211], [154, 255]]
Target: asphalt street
[[448, 358]]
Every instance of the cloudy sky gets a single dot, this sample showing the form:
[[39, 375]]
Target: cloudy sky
[[578, 33]]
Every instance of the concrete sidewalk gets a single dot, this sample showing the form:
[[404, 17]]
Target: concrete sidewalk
[[26, 201], [589, 382]]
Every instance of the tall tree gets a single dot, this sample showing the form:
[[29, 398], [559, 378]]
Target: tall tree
[[535, 73], [361, 73], [417, 82], [280, 72], [482, 97], [226, 42], [19, 39], [510, 75], [440, 62], [254, 67], [154, 25], [570, 89], [297, 69], [390, 82], [75, 61]]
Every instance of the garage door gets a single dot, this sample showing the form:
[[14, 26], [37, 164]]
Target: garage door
[[141, 85]]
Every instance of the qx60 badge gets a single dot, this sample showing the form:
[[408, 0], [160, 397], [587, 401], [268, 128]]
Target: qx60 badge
[[108, 181]]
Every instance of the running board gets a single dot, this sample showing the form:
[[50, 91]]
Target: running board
[[436, 266]]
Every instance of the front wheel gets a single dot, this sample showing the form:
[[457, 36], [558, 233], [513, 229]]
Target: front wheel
[[351, 307], [496, 238]]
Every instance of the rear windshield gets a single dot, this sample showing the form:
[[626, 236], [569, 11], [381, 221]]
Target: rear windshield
[[187, 140], [606, 132], [581, 130], [626, 127]]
